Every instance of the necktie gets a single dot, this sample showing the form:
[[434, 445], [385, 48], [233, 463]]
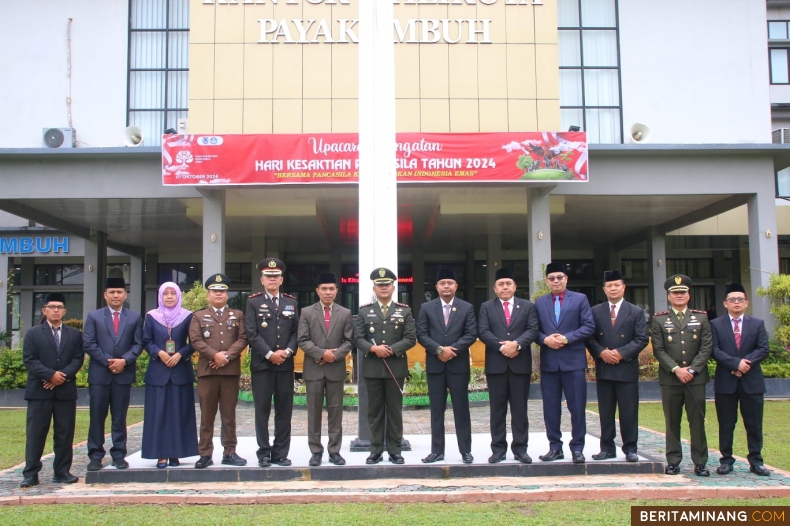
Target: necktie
[[613, 315], [274, 300], [56, 334], [557, 309], [115, 322], [680, 317], [447, 315], [384, 310], [737, 331], [507, 312], [327, 318]]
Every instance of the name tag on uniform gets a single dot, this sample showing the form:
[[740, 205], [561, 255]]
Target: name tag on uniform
[[693, 323], [372, 316]]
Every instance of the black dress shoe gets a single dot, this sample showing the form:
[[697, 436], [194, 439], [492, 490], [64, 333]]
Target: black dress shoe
[[174, 462], [28, 482], [65, 478], [204, 462], [397, 459], [701, 471], [760, 470], [672, 469], [578, 457], [467, 458], [94, 464], [120, 463], [523, 458], [603, 455], [282, 461], [315, 459], [433, 457], [373, 458], [234, 460], [724, 469], [553, 454], [631, 457], [495, 459], [264, 462], [336, 459]]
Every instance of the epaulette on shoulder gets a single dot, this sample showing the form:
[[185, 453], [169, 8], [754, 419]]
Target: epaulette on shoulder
[[662, 313], [255, 295], [402, 305], [288, 296], [365, 305], [700, 311]]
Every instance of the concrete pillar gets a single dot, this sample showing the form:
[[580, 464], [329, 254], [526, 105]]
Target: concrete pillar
[[470, 276], [258, 252], [418, 273], [213, 232], [657, 269], [137, 285], [4, 298], [493, 261], [151, 281], [763, 252], [27, 301], [539, 242], [95, 271]]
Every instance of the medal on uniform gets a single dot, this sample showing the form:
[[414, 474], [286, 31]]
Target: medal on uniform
[[669, 338], [264, 324], [372, 330], [695, 336], [170, 347], [206, 334]]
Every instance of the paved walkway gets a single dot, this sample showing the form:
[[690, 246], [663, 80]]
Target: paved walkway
[[739, 484]]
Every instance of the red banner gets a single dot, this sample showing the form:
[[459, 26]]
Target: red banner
[[333, 158]]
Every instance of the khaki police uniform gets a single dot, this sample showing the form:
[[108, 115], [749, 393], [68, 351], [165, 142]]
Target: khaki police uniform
[[211, 333], [686, 343]]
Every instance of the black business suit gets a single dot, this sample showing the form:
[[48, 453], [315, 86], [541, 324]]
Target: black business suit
[[508, 378], [618, 384], [748, 389], [59, 405], [460, 332]]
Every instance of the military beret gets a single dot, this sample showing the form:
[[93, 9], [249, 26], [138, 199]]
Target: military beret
[[445, 273], [678, 283], [382, 276], [218, 281], [115, 283], [271, 267], [327, 277], [504, 273]]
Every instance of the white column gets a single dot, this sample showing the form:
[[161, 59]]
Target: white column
[[3, 294], [213, 233], [137, 284], [657, 269], [539, 226], [95, 272], [378, 207], [763, 252]]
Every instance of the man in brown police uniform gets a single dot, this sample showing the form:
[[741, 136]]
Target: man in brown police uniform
[[218, 335]]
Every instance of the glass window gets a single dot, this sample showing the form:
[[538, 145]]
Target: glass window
[[158, 66], [779, 70], [58, 275], [600, 48], [183, 274], [16, 301], [777, 30], [603, 125], [571, 89], [568, 13], [570, 116], [569, 48], [72, 275], [599, 13]]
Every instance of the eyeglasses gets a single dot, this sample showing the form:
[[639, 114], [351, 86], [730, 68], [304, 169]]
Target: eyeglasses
[[55, 307], [737, 300], [555, 278]]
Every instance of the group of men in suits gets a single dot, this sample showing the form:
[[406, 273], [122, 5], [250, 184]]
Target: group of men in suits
[[560, 322]]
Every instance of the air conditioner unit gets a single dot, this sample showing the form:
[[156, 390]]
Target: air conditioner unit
[[780, 136], [59, 138]]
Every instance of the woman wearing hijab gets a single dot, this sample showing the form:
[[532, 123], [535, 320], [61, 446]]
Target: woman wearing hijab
[[169, 428]]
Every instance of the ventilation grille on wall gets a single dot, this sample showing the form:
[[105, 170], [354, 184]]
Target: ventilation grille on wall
[[781, 136]]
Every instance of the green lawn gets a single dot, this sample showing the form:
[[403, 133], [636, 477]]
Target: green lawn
[[12, 429], [776, 447], [540, 513]]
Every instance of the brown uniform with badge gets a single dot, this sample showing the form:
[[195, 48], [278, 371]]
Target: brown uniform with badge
[[679, 344], [211, 333]]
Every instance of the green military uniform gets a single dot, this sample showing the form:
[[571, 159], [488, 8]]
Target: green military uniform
[[397, 330], [686, 343]]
